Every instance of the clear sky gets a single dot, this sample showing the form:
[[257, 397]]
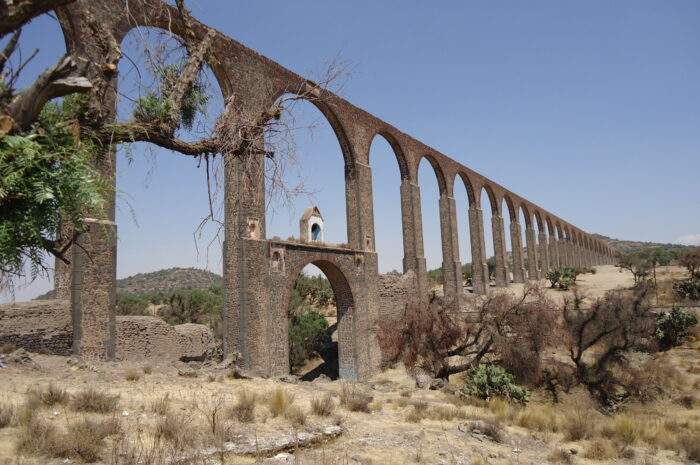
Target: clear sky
[[590, 109]]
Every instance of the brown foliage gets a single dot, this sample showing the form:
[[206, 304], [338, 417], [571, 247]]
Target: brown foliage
[[515, 330], [691, 260], [599, 338]]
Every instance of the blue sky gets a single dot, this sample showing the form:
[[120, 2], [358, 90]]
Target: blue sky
[[590, 109]]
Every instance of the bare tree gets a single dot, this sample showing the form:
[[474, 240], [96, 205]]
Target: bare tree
[[512, 331]]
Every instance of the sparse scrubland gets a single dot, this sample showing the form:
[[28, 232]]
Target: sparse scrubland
[[550, 376]]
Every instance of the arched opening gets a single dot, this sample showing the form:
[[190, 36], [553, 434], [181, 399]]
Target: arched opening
[[387, 207], [167, 265], [315, 232], [320, 314], [306, 168], [508, 215], [463, 198], [489, 207], [525, 223], [429, 179]]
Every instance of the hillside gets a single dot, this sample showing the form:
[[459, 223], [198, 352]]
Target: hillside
[[162, 280], [624, 246]]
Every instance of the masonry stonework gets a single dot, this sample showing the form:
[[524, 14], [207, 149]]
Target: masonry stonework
[[259, 273]]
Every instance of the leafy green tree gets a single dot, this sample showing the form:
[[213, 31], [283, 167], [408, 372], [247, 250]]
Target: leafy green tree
[[672, 328], [636, 263], [46, 174], [691, 260], [307, 335]]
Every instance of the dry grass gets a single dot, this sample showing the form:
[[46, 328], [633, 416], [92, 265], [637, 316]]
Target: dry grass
[[624, 429], [7, 348], [176, 430], [161, 405], [7, 414], [279, 401], [539, 417], [92, 400], [323, 406], [353, 399], [82, 441], [244, 408], [132, 374], [295, 415], [48, 395], [689, 443], [147, 370], [502, 409], [578, 425], [601, 449], [560, 455]]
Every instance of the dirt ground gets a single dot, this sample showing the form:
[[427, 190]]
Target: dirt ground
[[404, 425]]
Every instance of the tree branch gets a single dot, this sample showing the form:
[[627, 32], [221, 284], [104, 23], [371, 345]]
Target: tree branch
[[14, 14], [61, 79], [9, 49]]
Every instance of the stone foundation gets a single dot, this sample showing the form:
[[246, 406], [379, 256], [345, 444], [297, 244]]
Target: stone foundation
[[45, 326]]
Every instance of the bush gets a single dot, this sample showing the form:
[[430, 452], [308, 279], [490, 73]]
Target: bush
[[553, 276], [244, 409], [307, 335], [7, 414], [563, 278], [353, 399], [672, 328], [687, 289], [92, 400], [295, 415], [279, 401], [598, 338], [322, 406], [49, 395], [486, 381], [132, 374]]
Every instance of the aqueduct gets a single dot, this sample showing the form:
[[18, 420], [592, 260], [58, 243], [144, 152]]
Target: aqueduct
[[259, 272]]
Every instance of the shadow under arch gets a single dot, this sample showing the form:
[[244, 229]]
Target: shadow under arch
[[340, 359]]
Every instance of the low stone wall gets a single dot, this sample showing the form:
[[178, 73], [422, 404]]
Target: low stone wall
[[144, 337], [45, 326], [37, 326], [394, 293]]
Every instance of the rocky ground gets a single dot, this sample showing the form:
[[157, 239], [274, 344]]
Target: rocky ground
[[154, 412]]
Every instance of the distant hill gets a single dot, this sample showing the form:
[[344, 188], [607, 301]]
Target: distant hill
[[623, 246], [163, 280]]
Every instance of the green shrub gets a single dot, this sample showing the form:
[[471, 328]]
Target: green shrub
[[553, 276], [486, 381], [307, 334], [688, 289], [673, 327], [563, 277]]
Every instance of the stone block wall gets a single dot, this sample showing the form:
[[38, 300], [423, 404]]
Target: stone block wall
[[37, 326]]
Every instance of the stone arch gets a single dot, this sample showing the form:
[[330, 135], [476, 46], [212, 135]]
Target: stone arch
[[392, 211], [468, 186], [541, 227], [345, 308], [437, 169], [493, 199], [512, 212], [398, 152], [526, 214], [334, 122]]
